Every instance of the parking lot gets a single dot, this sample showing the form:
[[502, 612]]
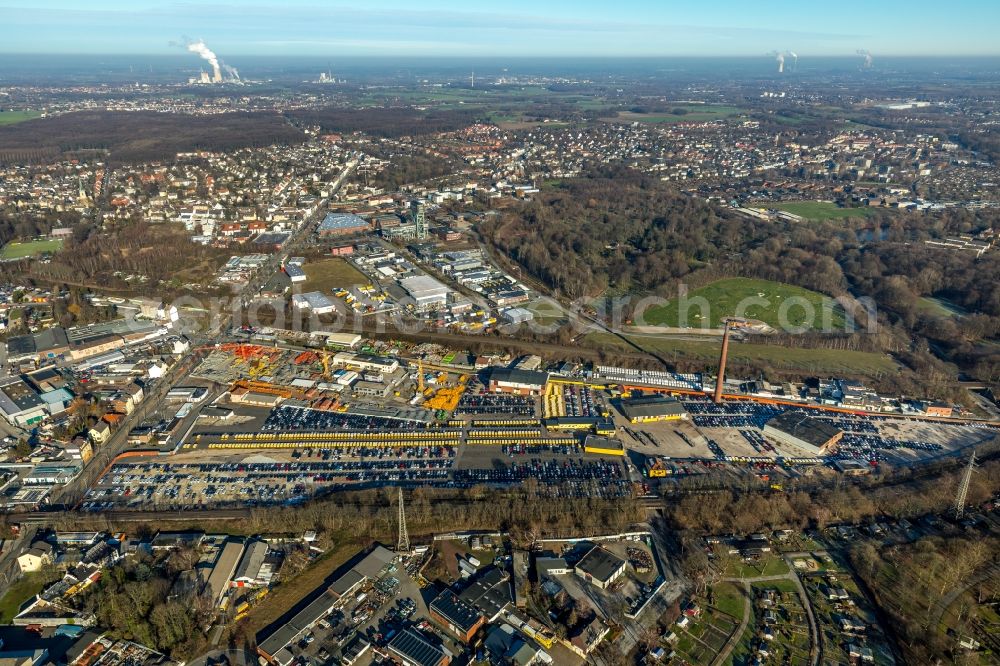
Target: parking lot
[[295, 418], [568, 477], [581, 401], [199, 478], [497, 405], [286, 467]]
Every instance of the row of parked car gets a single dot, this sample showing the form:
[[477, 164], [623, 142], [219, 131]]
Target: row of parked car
[[492, 403], [300, 418], [550, 471]]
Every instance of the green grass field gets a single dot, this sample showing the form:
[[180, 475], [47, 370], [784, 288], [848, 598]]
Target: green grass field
[[786, 586], [819, 361], [821, 210], [11, 117], [545, 312], [16, 250], [939, 307], [730, 599], [696, 113], [327, 274], [742, 297], [26, 587]]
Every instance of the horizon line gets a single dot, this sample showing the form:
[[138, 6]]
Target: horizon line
[[452, 56]]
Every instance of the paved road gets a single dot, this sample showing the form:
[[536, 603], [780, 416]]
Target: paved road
[[264, 273], [74, 492]]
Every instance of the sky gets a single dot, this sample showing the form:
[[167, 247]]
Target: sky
[[547, 28]]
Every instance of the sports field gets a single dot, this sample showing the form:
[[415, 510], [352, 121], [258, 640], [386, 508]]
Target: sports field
[[821, 210], [11, 117], [776, 304], [16, 250]]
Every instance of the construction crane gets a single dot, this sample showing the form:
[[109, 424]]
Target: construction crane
[[420, 376], [324, 358]]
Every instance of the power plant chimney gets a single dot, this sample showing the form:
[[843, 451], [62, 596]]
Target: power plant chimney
[[722, 365]]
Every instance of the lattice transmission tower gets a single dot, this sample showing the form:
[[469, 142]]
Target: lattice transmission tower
[[963, 486], [403, 543]]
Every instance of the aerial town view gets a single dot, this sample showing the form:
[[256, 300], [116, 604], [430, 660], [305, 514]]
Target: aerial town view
[[431, 334]]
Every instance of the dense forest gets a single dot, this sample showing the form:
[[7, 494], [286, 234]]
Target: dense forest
[[386, 121], [159, 252], [16, 224], [912, 583], [817, 504], [620, 233], [134, 601], [140, 136], [620, 230]]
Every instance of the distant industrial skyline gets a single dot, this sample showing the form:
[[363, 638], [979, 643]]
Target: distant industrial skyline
[[515, 28]]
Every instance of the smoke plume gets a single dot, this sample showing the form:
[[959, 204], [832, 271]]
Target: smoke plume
[[866, 54], [201, 49]]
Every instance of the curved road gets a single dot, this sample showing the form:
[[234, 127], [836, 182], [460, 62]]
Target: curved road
[[814, 651]]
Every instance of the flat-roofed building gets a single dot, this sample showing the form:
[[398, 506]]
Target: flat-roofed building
[[339, 340], [48, 343], [517, 381], [600, 567], [20, 404], [356, 648], [490, 593], [517, 315], [814, 436], [939, 408], [170, 540], [295, 272], [251, 570], [652, 408], [383, 364], [51, 473], [460, 618], [273, 647], [410, 648], [425, 291], [223, 570], [605, 446], [546, 567], [314, 301]]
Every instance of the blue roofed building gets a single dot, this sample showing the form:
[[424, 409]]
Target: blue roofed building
[[342, 224]]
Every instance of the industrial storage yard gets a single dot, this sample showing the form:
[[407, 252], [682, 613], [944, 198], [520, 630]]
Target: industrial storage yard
[[267, 425]]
